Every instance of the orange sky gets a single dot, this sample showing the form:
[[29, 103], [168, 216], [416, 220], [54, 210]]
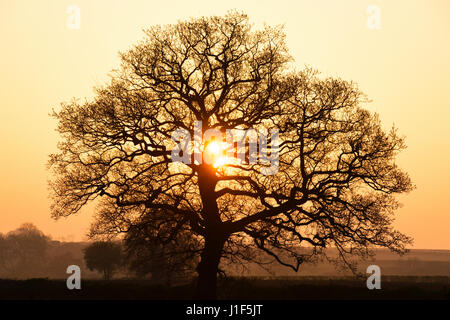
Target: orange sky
[[404, 67]]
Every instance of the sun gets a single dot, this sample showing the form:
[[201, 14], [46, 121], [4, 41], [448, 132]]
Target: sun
[[214, 148], [216, 153]]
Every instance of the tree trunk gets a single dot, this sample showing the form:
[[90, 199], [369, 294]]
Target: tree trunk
[[208, 268], [215, 235]]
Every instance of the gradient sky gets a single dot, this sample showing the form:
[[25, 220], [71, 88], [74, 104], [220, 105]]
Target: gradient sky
[[404, 67]]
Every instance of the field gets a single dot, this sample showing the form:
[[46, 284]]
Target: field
[[420, 274], [279, 288]]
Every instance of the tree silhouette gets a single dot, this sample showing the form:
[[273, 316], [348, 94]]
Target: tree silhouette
[[335, 176], [104, 257], [23, 252], [169, 258]]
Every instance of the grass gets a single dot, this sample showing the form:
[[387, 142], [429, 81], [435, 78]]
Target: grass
[[280, 288]]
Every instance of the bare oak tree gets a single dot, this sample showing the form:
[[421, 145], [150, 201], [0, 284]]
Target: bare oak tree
[[336, 177]]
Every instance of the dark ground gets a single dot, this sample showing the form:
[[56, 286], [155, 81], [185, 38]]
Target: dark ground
[[282, 288]]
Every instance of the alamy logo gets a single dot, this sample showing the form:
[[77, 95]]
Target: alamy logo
[[74, 280], [374, 280], [74, 19], [217, 150], [374, 20]]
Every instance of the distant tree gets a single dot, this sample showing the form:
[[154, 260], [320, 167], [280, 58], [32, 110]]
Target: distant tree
[[103, 256], [337, 177], [168, 258], [166, 263], [23, 252], [3, 247], [150, 248]]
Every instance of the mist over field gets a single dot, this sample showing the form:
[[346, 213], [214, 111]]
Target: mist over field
[[25, 259], [419, 274]]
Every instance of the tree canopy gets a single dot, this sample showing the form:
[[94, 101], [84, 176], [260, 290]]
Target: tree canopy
[[169, 259]]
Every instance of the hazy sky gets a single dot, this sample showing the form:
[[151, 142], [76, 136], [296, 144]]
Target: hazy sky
[[404, 67]]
